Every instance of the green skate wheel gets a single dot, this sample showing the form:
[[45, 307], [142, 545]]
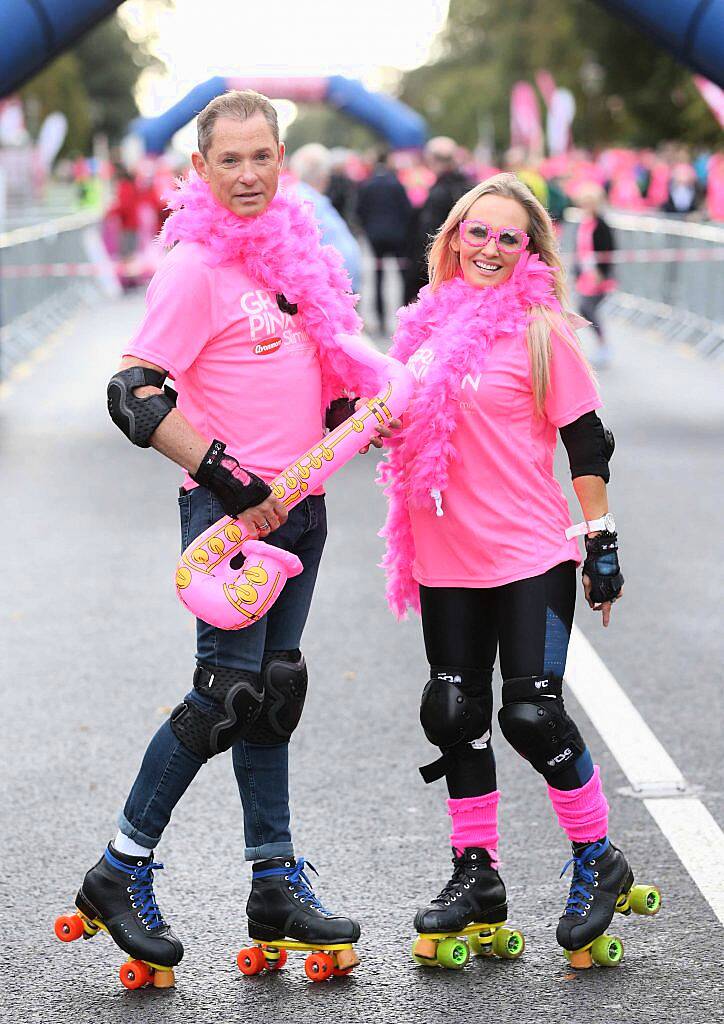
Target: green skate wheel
[[607, 951], [453, 953], [645, 899], [508, 944]]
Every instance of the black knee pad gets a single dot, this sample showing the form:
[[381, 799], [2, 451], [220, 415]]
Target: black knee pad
[[284, 675], [456, 706], [456, 710], [237, 697], [534, 722]]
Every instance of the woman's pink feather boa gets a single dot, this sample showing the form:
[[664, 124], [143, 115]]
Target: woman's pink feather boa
[[281, 250], [460, 324]]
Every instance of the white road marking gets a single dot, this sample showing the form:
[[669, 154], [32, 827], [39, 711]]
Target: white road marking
[[692, 832]]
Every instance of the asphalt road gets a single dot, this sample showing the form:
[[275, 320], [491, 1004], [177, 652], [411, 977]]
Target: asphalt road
[[95, 649]]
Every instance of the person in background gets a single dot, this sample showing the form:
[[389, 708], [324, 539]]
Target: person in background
[[385, 212], [594, 274], [683, 194], [441, 156], [311, 165], [342, 190]]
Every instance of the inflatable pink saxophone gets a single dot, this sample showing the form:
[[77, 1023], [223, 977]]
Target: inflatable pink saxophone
[[229, 578]]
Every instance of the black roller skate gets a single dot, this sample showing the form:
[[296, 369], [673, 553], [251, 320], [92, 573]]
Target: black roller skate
[[284, 913], [602, 885], [472, 907], [117, 897]]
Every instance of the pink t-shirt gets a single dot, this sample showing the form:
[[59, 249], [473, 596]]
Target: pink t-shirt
[[246, 373], [505, 514]]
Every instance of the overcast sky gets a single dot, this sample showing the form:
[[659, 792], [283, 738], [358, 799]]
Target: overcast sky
[[360, 38]]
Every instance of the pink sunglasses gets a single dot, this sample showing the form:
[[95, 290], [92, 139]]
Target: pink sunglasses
[[477, 234]]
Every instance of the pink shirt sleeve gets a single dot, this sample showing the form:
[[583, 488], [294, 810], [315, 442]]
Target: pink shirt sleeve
[[571, 391], [178, 319]]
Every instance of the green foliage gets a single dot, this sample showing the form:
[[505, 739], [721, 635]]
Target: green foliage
[[60, 87], [111, 64], [627, 89], [92, 84], [330, 127]]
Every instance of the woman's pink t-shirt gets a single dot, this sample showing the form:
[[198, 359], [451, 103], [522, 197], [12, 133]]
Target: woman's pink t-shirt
[[504, 513], [246, 372]]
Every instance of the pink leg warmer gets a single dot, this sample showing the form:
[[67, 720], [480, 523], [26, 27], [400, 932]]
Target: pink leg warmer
[[475, 823], [582, 813]]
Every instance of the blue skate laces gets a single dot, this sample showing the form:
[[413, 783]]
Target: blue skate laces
[[299, 882], [141, 890], [583, 878]]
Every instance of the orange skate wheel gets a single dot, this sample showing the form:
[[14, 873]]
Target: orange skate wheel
[[251, 961], [318, 966], [68, 927], [135, 974]]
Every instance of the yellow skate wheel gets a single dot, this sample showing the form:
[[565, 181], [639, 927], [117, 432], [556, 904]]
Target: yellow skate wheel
[[607, 951], [508, 944], [645, 899], [453, 953]]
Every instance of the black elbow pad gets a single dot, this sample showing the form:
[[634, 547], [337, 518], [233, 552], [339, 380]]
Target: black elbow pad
[[590, 445], [137, 417]]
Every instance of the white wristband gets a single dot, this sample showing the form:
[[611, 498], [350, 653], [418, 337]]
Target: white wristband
[[606, 522]]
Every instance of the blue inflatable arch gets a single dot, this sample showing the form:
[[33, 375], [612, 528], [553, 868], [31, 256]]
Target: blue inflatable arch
[[33, 32], [398, 124]]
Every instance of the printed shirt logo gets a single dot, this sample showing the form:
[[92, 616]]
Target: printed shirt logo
[[267, 346], [420, 362], [269, 326]]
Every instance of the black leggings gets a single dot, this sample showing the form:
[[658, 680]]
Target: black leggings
[[529, 622]]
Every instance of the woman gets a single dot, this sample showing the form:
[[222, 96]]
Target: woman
[[594, 279], [479, 538]]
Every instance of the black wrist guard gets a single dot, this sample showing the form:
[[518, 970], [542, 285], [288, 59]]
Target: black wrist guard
[[236, 488], [602, 568], [339, 411]]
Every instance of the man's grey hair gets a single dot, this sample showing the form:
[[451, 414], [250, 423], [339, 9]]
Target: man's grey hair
[[312, 164], [236, 104]]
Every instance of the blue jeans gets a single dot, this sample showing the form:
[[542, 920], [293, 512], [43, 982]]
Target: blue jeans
[[168, 766]]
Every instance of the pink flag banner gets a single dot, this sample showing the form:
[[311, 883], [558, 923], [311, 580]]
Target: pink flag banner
[[713, 95], [525, 122], [546, 85], [561, 111]]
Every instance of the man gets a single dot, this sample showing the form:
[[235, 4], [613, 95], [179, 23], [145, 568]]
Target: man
[[385, 212], [242, 314], [311, 165], [441, 156]]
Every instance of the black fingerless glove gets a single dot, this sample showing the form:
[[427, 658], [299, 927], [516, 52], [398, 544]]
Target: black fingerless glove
[[602, 568], [339, 411], [236, 488]]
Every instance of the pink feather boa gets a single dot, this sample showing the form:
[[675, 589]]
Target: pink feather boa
[[281, 250], [460, 324]]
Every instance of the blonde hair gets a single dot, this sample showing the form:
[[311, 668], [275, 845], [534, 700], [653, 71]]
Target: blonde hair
[[444, 263], [239, 104]]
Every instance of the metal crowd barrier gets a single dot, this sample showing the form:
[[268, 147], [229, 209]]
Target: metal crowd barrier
[[670, 274], [42, 281]]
